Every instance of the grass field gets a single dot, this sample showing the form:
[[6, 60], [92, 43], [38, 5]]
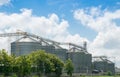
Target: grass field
[[66, 76], [102, 76], [95, 76]]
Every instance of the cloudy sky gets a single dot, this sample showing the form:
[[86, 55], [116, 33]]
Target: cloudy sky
[[94, 21]]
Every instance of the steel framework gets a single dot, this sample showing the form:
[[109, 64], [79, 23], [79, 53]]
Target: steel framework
[[44, 40]]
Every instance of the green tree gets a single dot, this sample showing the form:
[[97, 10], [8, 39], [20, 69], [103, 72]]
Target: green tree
[[69, 67], [38, 61], [45, 63], [22, 66], [41, 62], [49, 66], [58, 65], [5, 63]]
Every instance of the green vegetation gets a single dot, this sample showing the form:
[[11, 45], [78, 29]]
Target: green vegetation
[[45, 63], [109, 73], [69, 67], [38, 62], [5, 63], [101, 76], [22, 66]]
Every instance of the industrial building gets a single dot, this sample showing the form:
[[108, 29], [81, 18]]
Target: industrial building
[[102, 64], [26, 45], [61, 53], [82, 60]]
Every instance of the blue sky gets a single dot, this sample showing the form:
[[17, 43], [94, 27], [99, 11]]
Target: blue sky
[[94, 21], [64, 9]]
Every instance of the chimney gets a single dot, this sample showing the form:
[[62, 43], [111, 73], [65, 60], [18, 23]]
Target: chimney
[[85, 45]]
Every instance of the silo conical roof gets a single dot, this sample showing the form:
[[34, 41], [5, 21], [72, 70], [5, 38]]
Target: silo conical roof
[[26, 39]]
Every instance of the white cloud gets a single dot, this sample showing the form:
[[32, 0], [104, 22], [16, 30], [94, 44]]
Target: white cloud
[[97, 19], [107, 41], [118, 3], [4, 2], [49, 27]]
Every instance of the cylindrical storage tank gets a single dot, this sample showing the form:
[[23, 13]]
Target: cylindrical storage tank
[[100, 65], [111, 68], [48, 48], [61, 53], [25, 46], [104, 66], [82, 61]]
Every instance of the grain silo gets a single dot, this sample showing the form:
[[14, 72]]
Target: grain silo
[[47, 48], [111, 67], [23, 46], [103, 65], [61, 53], [81, 60], [27, 45]]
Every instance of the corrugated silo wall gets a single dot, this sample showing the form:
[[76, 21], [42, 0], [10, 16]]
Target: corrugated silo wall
[[48, 48], [100, 65], [111, 68], [61, 53], [23, 48], [82, 62], [104, 66]]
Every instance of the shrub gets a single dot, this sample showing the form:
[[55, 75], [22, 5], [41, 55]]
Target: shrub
[[14, 75], [109, 73]]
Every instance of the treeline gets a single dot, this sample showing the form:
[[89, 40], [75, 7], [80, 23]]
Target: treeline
[[36, 63]]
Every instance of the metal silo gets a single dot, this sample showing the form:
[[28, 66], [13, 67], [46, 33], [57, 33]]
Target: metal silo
[[26, 45], [111, 67], [47, 48], [82, 61], [61, 53], [102, 64]]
